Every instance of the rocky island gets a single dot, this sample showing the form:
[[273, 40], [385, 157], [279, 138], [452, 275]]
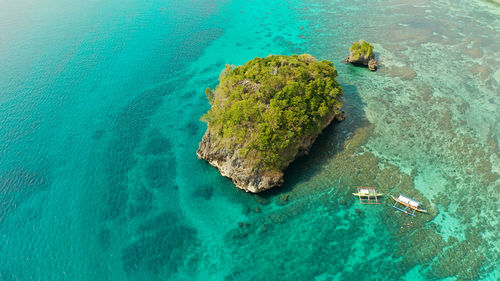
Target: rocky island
[[361, 53], [266, 113]]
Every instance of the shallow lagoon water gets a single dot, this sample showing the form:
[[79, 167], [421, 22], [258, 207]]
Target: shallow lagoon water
[[100, 121]]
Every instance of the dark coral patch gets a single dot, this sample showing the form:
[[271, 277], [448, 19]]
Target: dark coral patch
[[163, 244], [160, 172]]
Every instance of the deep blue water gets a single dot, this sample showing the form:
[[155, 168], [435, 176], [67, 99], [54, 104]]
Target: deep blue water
[[99, 123]]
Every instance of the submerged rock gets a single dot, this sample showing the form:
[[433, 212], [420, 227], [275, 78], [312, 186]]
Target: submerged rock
[[361, 53], [266, 113], [340, 117], [406, 73], [372, 65]]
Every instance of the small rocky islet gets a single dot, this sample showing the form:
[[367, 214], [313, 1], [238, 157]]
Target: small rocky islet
[[266, 113], [361, 53]]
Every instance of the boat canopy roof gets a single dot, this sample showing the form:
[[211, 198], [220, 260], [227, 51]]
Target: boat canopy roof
[[408, 201], [367, 194], [367, 190]]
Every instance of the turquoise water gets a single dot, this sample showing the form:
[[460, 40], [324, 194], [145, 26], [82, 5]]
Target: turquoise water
[[101, 102]]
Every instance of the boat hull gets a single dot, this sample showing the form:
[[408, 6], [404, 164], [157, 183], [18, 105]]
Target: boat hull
[[364, 194], [409, 206]]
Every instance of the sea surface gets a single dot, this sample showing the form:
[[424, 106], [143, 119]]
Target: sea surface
[[100, 106]]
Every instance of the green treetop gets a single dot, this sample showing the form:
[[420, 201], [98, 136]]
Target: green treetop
[[265, 107], [361, 49]]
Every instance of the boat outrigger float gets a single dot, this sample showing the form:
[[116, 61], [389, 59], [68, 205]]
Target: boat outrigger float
[[410, 206], [367, 195]]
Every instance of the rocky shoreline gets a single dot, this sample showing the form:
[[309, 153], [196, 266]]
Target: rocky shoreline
[[361, 53], [241, 171]]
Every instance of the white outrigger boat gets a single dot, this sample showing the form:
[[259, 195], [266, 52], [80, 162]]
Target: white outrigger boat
[[407, 205], [367, 195]]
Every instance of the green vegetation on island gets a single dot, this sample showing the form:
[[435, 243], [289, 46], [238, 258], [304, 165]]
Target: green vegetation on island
[[361, 52], [265, 109], [361, 49]]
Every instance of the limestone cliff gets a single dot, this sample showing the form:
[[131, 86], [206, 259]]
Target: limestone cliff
[[241, 171], [265, 114]]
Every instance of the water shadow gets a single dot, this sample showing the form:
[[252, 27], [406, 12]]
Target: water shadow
[[329, 143]]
